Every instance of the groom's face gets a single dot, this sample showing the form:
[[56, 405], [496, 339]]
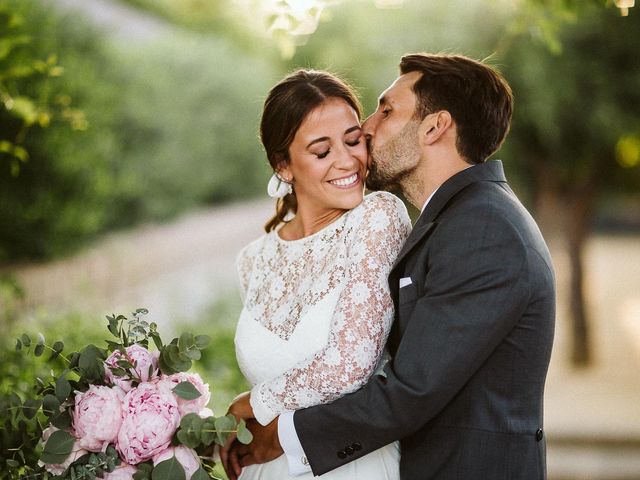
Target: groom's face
[[392, 131]]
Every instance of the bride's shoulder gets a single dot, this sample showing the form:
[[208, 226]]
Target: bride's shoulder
[[251, 250], [383, 205]]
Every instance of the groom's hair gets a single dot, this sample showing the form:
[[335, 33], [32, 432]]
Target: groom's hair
[[478, 98]]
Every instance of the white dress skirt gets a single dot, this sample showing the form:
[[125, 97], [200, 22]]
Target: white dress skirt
[[316, 316]]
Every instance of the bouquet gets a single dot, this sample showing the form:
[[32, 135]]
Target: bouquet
[[124, 411]]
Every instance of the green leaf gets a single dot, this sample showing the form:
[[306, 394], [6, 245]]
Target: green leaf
[[244, 435], [62, 421], [63, 389], [202, 341], [57, 350], [200, 474], [185, 342], [31, 407], [58, 447], [142, 311], [91, 363], [26, 340], [208, 431], [186, 390], [224, 425], [168, 470], [18, 345], [39, 346], [50, 405]]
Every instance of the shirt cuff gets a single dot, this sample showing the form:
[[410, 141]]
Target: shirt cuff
[[290, 443], [264, 415]]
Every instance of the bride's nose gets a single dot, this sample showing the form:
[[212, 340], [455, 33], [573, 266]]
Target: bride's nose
[[346, 159]]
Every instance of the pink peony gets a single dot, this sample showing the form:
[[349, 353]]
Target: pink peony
[[97, 417], [187, 457], [122, 472], [59, 468], [140, 357], [168, 383], [150, 418]]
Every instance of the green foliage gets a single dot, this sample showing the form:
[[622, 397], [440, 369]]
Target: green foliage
[[575, 121], [26, 99], [169, 125], [51, 400]]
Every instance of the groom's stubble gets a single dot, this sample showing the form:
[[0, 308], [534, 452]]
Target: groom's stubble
[[391, 166]]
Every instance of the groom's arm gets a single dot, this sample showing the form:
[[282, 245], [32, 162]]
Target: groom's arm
[[477, 287]]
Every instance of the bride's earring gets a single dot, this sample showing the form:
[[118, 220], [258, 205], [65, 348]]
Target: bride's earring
[[278, 187]]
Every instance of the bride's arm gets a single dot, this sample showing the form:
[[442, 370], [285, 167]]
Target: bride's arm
[[360, 323]]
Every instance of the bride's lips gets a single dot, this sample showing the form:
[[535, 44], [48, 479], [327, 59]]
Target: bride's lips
[[348, 181]]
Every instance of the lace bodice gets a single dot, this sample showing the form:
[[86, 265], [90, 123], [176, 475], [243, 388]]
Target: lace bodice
[[317, 311]]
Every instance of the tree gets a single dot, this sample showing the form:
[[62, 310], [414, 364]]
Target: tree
[[576, 132]]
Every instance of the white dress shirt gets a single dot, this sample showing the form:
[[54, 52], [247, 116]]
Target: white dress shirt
[[287, 435]]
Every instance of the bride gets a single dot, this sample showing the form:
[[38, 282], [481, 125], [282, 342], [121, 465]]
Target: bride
[[317, 308]]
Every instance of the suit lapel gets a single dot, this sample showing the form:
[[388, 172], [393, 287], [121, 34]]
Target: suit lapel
[[488, 171]]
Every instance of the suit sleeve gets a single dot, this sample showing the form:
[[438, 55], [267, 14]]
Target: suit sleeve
[[476, 288]]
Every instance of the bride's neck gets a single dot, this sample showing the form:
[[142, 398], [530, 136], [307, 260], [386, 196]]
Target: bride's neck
[[307, 222]]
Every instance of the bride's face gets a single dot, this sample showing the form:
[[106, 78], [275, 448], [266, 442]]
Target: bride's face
[[328, 158]]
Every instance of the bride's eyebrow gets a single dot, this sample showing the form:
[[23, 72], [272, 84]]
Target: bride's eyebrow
[[325, 139], [352, 129]]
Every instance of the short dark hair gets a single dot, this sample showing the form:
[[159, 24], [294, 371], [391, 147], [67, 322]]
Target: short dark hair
[[478, 98], [285, 108]]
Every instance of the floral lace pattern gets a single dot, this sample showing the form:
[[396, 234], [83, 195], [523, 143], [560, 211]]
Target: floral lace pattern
[[284, 280]]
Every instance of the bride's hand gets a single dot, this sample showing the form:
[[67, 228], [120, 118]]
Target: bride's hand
[[241, 407]]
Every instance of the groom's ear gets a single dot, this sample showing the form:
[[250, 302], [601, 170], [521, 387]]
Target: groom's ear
[[434, 126]]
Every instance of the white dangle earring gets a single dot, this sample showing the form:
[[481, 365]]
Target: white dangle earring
[[278, 187]]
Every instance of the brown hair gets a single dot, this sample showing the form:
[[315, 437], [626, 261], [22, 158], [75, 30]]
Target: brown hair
[[287, 105], [478, 98]]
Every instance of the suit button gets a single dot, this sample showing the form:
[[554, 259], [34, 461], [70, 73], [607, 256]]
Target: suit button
[[342, 455], [539, 435], [356, 446], [349, 450]]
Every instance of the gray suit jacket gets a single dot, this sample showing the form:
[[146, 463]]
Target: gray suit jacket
[[470, 344]]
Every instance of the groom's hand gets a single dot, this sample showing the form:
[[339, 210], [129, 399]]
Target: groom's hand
[[264, 447]]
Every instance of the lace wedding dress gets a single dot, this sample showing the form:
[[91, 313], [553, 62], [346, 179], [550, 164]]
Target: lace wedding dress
[[317, 312]]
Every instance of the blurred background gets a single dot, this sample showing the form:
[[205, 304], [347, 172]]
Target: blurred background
[[131, 172]]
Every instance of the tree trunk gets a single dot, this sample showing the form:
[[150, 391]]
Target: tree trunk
[[580, 209], [565, 218]]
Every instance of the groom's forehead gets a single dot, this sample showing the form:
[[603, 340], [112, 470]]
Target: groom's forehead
[[400, 91]]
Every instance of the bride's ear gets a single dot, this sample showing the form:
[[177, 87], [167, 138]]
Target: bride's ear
[[434, 126], [283, 171]]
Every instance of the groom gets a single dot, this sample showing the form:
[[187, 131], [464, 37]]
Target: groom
[[474, 296]]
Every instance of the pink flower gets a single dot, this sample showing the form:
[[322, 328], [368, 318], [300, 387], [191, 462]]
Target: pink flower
[[150, 418], [143, 360], [97, 417], [59, 468], [122, 472], [168, 383], [187, 457]]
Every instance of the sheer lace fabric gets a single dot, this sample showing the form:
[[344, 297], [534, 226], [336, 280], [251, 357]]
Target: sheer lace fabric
[[317, 311]]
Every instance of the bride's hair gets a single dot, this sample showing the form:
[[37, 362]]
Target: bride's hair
[[287, 105]]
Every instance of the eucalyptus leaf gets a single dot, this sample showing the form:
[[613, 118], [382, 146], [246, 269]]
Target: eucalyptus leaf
[[91, 363], [208, 431], [31, 407], [62, 421], [57, 348], [18, 345], [185, 342], [244, 435], [224, 426], [200, 474], [50, 405], [63, 389], [170, 469], [202, 341], [39, 350], [58, 447], [186, 390], [26, 340]]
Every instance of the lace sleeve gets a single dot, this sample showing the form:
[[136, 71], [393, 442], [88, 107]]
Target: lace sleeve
[[244, 265], [360, 323]]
